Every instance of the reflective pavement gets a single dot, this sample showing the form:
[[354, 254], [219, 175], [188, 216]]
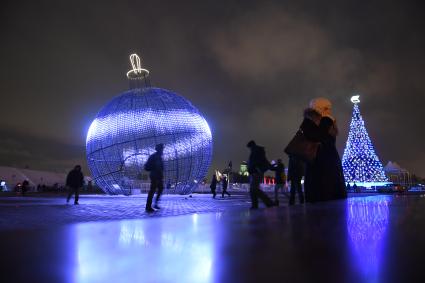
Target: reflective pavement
[[363, 239], [41, 211]]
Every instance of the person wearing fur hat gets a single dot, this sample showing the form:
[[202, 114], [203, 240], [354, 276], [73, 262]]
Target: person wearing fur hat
[[324, 179]]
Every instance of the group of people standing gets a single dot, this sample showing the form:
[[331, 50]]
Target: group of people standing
[[323, 176], [224, 185], [154, 165]]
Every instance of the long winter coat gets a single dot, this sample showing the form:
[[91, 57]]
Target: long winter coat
[[324, 179]]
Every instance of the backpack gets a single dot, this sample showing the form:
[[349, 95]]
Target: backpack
[[264, 164], [149, 164]]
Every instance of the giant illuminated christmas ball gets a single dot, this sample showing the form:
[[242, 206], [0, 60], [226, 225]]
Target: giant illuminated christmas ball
[[126, 130]]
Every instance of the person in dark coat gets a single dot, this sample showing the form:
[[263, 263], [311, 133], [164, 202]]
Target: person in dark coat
[[295, 174], [348, 187], [74, 180], [279, 169], [257, 165], [213, 185], [25, 187], [155, 166], [224, 184], [310, 128], [324, 178]]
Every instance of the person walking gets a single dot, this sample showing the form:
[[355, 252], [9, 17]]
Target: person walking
[[257, 165], [155, 166], [74, 181], [295, 174], [224, 184], [213, 185], [279, 169]]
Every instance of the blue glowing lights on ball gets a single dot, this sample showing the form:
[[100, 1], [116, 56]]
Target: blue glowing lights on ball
[[126, 130]]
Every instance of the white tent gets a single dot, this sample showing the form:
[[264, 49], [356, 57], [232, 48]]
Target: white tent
[[397, 174], [12, 176]]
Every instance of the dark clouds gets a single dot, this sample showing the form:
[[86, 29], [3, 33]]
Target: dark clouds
[[21, 150], [249, 66], [268, 43]]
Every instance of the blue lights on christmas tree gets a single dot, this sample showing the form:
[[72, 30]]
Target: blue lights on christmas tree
[[126, 130], [360, 162]]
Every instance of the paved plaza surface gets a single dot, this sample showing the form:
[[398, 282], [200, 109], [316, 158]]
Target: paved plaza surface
[[379, 238], [46, 211]]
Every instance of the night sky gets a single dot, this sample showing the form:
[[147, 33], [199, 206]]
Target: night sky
[[250, 67]]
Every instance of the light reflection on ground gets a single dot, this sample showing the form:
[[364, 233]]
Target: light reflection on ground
[[141, 250], [367, 221], [367, 239]]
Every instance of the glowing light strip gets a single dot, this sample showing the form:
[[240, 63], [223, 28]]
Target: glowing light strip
[[184, 147], [99, 125]]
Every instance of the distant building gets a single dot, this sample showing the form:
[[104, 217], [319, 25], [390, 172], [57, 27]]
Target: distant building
[[269, 180], [243, 170], [398, 175]]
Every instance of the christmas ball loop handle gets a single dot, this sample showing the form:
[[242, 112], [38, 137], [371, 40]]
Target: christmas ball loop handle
[[137, 71]]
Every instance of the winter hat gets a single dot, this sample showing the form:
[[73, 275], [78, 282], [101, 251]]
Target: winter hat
[[251, 143], [322, 105], [159, 147]]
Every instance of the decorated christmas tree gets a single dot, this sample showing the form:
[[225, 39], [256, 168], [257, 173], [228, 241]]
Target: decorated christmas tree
[[360, 162]]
